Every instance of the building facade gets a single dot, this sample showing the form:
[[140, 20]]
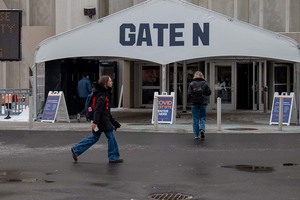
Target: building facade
[[241, 82]]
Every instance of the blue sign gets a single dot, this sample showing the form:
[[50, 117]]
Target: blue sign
[[286, 112], [156, 34], [165, 108], [51, 106]]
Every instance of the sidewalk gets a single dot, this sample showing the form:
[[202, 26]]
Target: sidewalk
[[139, 120]]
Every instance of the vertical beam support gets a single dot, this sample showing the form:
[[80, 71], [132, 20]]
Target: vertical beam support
[[254, 86], [287, 16], [261, 13], [164, 78], [184, 87], [126, 80], [34, 91], [297, 88], [175, 90], [259, 87], [4, 74]]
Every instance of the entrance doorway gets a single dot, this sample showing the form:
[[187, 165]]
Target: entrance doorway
[[244, 94], [223, 81], [63, 75]]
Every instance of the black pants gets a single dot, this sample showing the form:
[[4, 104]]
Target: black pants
[[82, 103]]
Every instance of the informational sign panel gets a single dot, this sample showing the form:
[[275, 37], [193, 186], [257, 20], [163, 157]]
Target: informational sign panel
[[55, 108], [165, 108], [288, 106], [10, 35]]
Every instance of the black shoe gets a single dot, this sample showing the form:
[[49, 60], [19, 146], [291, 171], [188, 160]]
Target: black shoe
[[74, 155], [202, 134], [116, 161]]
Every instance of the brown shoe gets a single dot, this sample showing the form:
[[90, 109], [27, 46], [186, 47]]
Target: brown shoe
[[116, 161], [74, 155]]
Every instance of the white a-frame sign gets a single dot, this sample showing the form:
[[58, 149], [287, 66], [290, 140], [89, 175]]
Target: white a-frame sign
[[289, 111], [55, 108]]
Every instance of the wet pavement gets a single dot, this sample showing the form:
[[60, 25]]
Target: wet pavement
[[38, 165], [247, 159]]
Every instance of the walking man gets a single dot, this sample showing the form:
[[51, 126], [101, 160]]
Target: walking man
[[84, 88], [198, 93]]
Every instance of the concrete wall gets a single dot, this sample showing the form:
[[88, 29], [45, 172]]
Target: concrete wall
[[70, 13]]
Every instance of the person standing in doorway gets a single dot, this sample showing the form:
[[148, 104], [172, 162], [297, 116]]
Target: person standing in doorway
[[84, 88], [198, 93], [102, 122]]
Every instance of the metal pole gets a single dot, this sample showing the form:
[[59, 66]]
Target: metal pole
[[219, 113], [155, 113], [280, 113]]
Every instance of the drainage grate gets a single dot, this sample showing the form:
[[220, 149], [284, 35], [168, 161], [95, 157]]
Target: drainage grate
[[169, 196]]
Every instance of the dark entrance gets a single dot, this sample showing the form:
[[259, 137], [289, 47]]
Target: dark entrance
[[244, 86], [63, 75]]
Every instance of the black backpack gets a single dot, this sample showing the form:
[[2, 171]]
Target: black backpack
[[197, 94]]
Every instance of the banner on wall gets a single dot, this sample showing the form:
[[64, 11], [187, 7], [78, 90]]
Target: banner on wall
[[165, 108]]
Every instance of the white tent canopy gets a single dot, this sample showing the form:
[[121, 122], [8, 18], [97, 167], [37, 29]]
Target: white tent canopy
[[167, 31]]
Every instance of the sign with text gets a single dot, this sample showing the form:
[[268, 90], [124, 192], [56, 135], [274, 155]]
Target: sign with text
[[165, 108], [288, 105], [10, 35], [55, 108]]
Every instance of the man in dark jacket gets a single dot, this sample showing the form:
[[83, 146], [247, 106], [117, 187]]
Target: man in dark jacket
[[84, 88], [198, 93], [102, 122]]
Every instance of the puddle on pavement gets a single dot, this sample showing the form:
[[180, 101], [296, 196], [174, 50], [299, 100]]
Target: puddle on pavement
[[241, 129], [100, 184], [251, 168], [15, 176]]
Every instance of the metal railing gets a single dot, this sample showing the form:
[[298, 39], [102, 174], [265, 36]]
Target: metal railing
[[14, 101]]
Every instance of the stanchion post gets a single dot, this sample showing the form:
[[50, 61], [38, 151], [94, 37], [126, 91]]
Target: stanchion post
[[155, 113], [280, 114], [219, 113]]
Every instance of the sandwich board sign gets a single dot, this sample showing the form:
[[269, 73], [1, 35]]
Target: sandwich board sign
[[289, 106], [165, 108], [55, 108]]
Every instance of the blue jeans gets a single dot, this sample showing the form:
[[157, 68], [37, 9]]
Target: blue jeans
[[83, 145], [199, 118]]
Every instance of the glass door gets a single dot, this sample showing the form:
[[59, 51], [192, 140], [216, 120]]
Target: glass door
[[283, 78], [223, 80], [150, 84]]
